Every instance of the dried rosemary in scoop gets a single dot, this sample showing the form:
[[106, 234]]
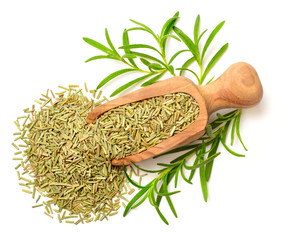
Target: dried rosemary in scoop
[[135, 127]]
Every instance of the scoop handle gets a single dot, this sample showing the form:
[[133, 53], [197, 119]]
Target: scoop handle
[[238, 87]]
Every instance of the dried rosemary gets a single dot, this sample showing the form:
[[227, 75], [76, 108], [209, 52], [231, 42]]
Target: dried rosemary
[[68, 161], [63, 160], [135, 127]]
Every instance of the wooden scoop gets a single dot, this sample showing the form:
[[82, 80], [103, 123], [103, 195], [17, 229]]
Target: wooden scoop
[[238, 87]]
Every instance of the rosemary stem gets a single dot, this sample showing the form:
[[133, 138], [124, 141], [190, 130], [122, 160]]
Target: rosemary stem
[[136, 68], [200, 81]]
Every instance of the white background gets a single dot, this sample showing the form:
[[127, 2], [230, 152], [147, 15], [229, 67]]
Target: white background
[[41, 47]]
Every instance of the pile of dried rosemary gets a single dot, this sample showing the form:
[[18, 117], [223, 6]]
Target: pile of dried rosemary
[[68, 161], [60, 155]]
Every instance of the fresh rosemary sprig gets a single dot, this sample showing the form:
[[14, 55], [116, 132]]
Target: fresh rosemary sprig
[[203, 151], [199, 54], [153, 66]]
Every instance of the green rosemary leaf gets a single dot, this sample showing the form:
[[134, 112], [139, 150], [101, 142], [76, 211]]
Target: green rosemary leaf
[[155, 66], [140, 202], [176, 54], [210, 80], [216, 123], [186, 69], [210, 38], [198, 165], [196, 30], [129, 56], [186, 155], [223, 118], [168, 26], [230, 150], [136, 198], [183, 156], [214, 60], [159, 197], [209, 131], [162, 216], [143, 55], [145, 62], [188, 42], [192, 172], [209, 166], [238, 129], [219, 115], [110, 43], [225, 130], [125, 41], [138, 29], [179, 149], [133, 46], [167, 193], [130, 180], [166, 165], [114, 75], [151, 195], [165, 190], [127, 85], [171, 70], [203, 183], [233, 131], [153, 80], [201, 35], [98, 45], [183, 176], [177, 174], [169, 36], [101, 57], [227, 115], [212, 146], [144, 27], [166, 29], [202, 175], [145, 170], [186, 64], [168, 180]]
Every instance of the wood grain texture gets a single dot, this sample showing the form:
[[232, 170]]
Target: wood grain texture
[[238, 87]]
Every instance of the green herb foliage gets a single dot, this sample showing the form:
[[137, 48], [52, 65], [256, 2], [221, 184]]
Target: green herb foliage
[[154, 66], [202, 153]]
